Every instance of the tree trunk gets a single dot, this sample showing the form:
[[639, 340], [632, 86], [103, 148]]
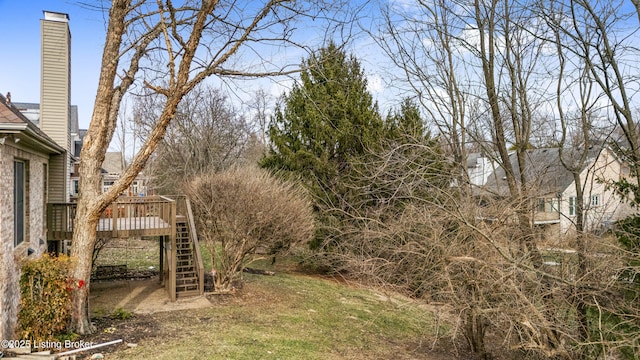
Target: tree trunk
[[82, 252], [84, 238], [475, 330]]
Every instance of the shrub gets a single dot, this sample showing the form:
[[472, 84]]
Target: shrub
[[45, 304], [244, 210]]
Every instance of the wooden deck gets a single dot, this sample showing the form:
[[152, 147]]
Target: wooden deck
[[128, 216], [146, 216]]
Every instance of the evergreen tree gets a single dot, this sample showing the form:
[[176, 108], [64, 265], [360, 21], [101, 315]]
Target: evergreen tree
[[328, 118], [406, 124]]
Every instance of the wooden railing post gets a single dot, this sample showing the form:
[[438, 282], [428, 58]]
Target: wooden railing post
[[114, 219]]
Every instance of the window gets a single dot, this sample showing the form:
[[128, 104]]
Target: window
[[76, 187], [20, 201], [595, 200], [572, 205], [106, 185], [547, 205]]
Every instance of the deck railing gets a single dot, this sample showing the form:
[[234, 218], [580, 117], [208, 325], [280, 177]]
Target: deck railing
[[196, 245], [546, 216], [60, 219], [127, 216]]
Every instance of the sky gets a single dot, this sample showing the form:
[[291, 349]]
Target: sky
[[20, 59], [20, 56]]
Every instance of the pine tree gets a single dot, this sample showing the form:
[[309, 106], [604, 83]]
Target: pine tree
[[325, 120]]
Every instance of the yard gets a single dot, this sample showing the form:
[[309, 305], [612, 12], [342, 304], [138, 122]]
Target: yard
[[277, 317], [291, 315]]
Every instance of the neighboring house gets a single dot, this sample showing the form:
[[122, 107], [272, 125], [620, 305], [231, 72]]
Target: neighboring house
[[552, 188], [112, 169], [479, 167], [28, 158], [35, 163]]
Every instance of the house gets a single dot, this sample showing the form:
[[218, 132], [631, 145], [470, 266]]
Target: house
[[479, 167], [551, 186], [113, 167], [33, 112], [28, 158]]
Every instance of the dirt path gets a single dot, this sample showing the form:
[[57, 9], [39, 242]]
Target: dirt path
[[138, 296]]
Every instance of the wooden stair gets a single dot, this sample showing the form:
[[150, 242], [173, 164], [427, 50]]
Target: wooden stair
[[187, 282]]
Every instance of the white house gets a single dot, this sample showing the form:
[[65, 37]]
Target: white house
[[552, 187], [479, 167]]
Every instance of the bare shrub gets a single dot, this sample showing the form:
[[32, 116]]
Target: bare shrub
[[405, 226], [242, 210]]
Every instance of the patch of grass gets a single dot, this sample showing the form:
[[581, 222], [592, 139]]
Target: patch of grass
[[291, 317], [121, 314], [136, 253]]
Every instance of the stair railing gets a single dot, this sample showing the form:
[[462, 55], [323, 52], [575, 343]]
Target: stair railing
[[184, 208], [196, 245]]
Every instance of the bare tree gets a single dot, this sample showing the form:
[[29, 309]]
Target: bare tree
[[590, 84], [260, 114], [475, 67], [403, 227], [206, 135], [602, 36], [423, 44], [126, 132], [169, 49]]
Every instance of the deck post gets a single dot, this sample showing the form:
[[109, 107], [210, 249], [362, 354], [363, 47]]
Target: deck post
[[161, 276], [174, 254], [114, 219]]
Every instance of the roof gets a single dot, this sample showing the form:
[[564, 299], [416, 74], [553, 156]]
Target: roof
[[77, 143], [12, 121], [544, 171], [35, 108]]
